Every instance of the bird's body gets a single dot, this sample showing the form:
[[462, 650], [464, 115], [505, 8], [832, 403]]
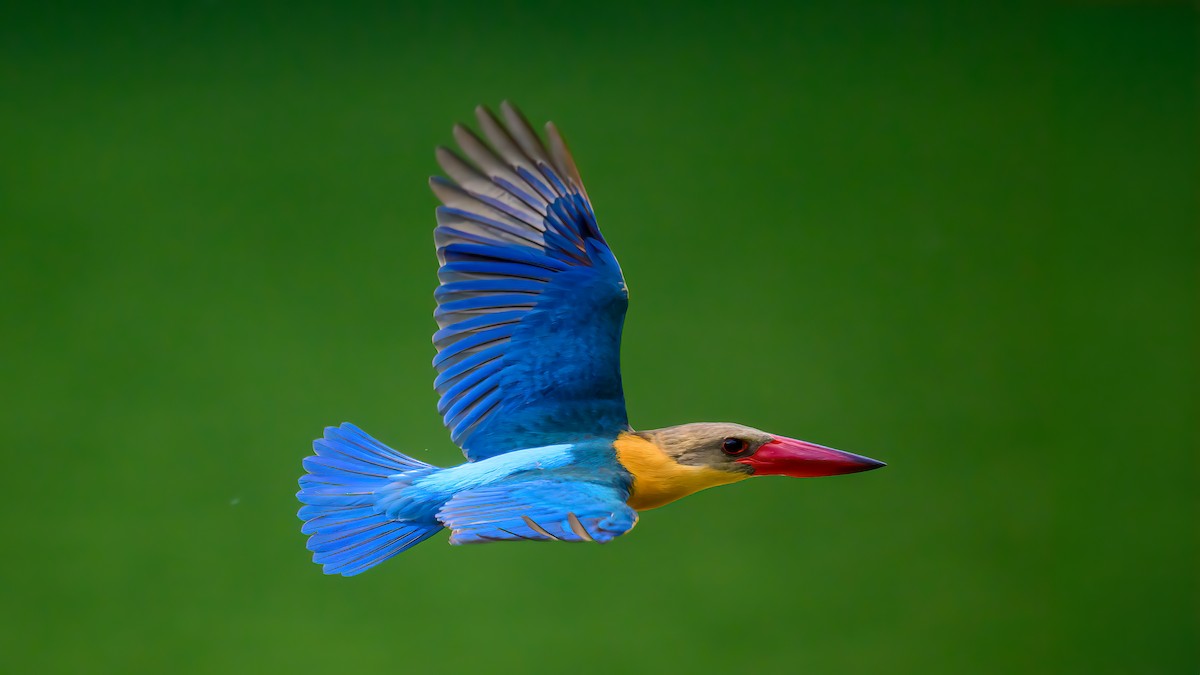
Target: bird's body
[[530, 311]]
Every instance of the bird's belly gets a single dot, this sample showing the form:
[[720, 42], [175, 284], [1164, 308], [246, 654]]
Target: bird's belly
[[658, 479]]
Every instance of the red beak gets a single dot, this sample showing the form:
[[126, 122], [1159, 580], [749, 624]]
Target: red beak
[[801, 459]]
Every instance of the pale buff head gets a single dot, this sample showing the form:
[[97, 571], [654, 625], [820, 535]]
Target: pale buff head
[[746, 450], [716, 445]]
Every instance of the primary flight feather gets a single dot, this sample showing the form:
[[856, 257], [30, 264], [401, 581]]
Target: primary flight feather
[[531, 303]]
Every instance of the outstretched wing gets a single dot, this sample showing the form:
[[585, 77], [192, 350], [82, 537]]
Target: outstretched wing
[[538, 510], [531, 300]]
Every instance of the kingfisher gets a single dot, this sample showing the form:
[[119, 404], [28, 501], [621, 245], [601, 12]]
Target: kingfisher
[[530, 308]]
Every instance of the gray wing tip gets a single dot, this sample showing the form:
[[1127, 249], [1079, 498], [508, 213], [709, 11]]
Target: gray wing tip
[[483, 113], [445, 158], [460, 129], [562, 158], [508, 108]]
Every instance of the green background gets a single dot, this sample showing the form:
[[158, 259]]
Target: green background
[[961, 238]]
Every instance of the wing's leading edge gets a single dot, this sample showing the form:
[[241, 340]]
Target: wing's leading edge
[[531, 301]]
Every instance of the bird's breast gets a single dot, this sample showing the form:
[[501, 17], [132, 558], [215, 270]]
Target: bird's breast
[[658, 479]]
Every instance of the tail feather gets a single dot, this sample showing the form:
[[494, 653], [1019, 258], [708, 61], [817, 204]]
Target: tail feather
[[395, 538], [323, 520], [348, 533]]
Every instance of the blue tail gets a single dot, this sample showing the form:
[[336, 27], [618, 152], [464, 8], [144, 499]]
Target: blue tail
[[349, 535]]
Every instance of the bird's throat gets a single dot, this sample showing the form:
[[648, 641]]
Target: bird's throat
[[658, 479]]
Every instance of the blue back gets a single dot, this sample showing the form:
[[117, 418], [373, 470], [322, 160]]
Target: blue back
[[531, 301]]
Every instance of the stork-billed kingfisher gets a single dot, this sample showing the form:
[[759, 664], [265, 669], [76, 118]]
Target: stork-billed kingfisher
[[530, 307]]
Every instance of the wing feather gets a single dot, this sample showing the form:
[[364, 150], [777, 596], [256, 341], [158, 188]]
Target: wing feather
[[531, 301], [539, 510]]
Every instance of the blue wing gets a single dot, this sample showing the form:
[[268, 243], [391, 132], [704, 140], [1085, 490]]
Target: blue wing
[[539, 510], [531, 301]]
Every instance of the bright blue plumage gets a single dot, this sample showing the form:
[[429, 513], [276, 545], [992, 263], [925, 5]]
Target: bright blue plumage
[[366, 502], [348, 534], [530, 310], [539, 509], [531, 303]]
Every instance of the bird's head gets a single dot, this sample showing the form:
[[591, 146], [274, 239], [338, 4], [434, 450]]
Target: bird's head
[[745, 450]]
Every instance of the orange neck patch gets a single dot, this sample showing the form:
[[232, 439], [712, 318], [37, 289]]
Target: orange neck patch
[[658, 479]]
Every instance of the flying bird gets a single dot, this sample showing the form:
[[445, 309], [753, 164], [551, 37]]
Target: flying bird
[[530, 307]]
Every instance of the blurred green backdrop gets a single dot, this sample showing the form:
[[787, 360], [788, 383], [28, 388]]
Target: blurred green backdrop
[[960, 239]]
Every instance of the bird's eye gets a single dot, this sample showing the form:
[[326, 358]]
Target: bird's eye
[[733, 446]]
